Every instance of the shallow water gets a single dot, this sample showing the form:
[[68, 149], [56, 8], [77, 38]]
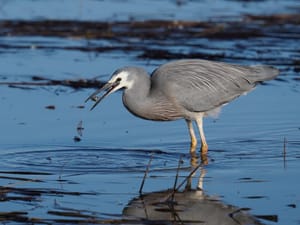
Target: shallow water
[[46, 176]]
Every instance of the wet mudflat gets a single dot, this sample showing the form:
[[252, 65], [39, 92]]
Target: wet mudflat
[[61, 163]]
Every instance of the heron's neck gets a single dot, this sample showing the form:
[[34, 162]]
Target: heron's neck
[[136, 98]]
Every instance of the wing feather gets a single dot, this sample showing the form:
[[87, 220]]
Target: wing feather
[[201, 85]]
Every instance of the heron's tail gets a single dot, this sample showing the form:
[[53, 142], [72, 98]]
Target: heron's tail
[[262, 72]]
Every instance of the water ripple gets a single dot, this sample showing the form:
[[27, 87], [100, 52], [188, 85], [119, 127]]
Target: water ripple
[[89, 160]]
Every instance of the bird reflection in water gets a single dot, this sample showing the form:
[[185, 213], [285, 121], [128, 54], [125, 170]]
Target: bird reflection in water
[[188, 206]]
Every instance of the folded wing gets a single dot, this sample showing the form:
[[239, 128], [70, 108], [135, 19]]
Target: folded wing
[[201, 85]]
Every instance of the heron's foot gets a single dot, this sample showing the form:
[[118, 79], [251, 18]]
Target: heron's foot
[[204, 159], [193, 145], [204, 149]]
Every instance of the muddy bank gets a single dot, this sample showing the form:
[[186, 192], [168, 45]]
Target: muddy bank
[[248, 27], [259, 39], [42, 81], [144, 37]]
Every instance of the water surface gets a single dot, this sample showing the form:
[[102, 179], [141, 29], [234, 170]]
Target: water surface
[[48, 176]]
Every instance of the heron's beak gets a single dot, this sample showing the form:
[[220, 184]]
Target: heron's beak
[[109, 87]]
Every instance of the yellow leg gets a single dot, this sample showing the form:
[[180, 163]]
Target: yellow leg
[[192, 135], [204, 146]]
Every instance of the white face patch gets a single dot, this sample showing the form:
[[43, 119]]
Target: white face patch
[[123, 78]]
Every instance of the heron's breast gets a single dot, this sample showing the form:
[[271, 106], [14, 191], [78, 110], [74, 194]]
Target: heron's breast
[[152, 108]]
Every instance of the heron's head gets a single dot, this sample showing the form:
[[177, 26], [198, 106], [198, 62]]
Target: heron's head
[[121, 78]]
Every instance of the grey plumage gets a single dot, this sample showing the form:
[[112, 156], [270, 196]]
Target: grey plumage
[[188, 89], [200, 85]]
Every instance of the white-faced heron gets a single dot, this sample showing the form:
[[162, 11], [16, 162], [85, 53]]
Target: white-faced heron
[[189, 89]]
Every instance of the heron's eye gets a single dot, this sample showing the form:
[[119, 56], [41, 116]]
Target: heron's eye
[[119, 79]]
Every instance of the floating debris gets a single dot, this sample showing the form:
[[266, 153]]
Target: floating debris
[[292, 205], [76, 139], [51, 107], [80, 128], [41, 81]]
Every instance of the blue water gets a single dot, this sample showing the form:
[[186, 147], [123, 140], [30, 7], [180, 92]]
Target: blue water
[[246, 165]]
